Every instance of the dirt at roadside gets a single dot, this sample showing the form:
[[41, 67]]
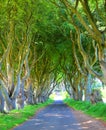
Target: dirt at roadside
[[89, 123]]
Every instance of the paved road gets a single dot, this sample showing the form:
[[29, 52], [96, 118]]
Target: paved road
[[54, 117]]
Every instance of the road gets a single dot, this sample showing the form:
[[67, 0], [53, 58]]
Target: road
[[56, 116]]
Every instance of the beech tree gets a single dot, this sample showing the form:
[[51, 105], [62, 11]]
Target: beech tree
[[41, 40], [87, 13]]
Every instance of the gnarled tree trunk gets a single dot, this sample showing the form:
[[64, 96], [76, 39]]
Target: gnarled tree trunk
[[88, 88], [1, 102], [30, 99]]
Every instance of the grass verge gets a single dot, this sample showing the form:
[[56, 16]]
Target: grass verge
[[97, 110], [16, 117]]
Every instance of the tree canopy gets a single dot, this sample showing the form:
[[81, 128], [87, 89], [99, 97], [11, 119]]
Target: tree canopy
[[45, 42]]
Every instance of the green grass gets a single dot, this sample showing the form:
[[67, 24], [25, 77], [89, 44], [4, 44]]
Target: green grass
[[16, 117], [97, 110]]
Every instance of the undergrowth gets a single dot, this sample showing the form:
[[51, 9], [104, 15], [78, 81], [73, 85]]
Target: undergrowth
[[16, 117], [95, 110]]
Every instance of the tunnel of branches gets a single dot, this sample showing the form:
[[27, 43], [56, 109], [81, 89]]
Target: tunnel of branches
[[47, 43]]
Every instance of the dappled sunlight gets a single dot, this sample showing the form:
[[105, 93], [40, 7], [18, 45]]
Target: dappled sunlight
[[77, 124], [84, 128], [50, 114], [88, 125], [37, 123], [52, 126], [87, 122], [57, 116]]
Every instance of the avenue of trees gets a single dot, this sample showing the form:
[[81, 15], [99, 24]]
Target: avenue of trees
[[45, 42]]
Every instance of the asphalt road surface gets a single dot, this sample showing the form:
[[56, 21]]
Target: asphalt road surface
[[56, 116]]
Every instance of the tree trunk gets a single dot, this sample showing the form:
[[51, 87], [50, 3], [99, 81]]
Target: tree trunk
[[80, 95], [9, 105], [36, 100], [103, 68], [1, 102], [30, 99], [16, 92], [68, 88], [21, 97], [75, 96], [42, 99], [88, 88]]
